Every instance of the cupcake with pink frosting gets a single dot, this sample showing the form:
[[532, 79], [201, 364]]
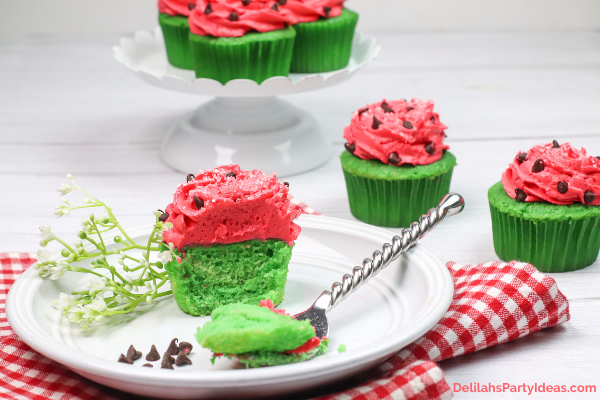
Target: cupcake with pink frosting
[[396, 164], [546, 208], [173, 19]]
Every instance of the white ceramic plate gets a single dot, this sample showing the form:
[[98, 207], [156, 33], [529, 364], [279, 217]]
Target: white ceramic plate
[[396, 307]]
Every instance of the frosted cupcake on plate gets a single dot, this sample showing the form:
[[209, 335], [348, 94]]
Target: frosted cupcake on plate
[[173, 19], [232, 238], [396, 164], [546, 208]]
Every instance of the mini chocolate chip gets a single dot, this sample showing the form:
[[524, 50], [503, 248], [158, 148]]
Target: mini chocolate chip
[[520, 195], [167, 362], [275, 7], [562, 187], [233, 16], [198, 202], [153, 355], [123, 359], [410, 108], [407, 125], [394, 159], [182, 359], [163, 217], [386, 108], [588, 197], [363, 110], [231, 175], [191, 6], [282, 2], [432, 119], [445, 135], [521, 158], [287, 184], [376, 123], [555, 144], [350, 147], [133, 354], [190, 177], [598, 157], [327, 10], [208, 9], [186, 347], [538, 166], [173, 349], [148, 365], [430, 148], [246, 2]]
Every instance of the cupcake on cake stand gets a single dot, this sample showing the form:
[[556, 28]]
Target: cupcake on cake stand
[[246, 123]]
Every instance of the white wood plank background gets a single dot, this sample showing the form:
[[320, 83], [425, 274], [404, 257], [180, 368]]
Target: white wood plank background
[[67, 106]]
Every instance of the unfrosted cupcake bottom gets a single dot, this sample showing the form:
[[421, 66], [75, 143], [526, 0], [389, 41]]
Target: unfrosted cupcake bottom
[[176, 33]]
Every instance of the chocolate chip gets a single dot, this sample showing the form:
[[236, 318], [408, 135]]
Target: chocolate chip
[[287, 184], [208, 9], [588, 197], [430, 148], [231, 175], [410, 108], [133, 354], [350, 147], [191, 6], [233, 16], [363, 110], [186, 346], [153, 355], [520, 195], [123, 359], [521, 158], [167, 362], [173, 349], [386, 108], [198, 202], [432, 119], [394, 159], [182, 359], [275, 7], [148, 365], [562, 187], [190, 177], [598, 157], [282, 2], [327, 10], [538, 166], [246, 2], [555, 144], [376, 123], [164, 216], [407, 125]]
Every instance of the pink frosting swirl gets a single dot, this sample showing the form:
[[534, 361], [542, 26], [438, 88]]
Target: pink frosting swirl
[[310, 10], [397, 132], [558, 174], [176, 7], [233, 18], [230, 205]]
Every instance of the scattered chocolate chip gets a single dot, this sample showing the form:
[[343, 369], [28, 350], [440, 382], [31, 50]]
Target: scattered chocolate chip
[[148, 365], [363, 110], [275, 7], [185, 347], [153, 355], [432, 119], [588, 197], [350, 147], [231, 175], [538, 166], [133, 354], [167, 362], [376, 123], [430, 148], [407, 125], [521, 158], [598, 157], [327, 10], [562, 187], [555, 144], [287, 184], [282, 2], [410, 108], [520, 195], [445, 135], [173, 349], [394, 159], [208, 9], [246, 2], [164, 216], [182, 359], [198, 202], [190, 177], [386, 108], [123, 359], [191, 6], [233, 16]]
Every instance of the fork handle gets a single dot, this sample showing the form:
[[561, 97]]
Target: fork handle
[[450, 205]]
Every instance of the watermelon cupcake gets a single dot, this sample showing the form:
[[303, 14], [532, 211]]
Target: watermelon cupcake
[[546, 208], [396, 164], [173, 19], [240, 39], [231, 240]]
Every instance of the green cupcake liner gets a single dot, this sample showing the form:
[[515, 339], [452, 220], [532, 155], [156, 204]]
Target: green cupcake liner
[[391, 196], [255, 56], [324, 45], [552, 238], [176, 31]]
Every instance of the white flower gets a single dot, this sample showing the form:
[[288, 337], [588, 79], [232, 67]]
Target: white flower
[[167, 255], [75, 314], [97, 285], [65, 189], [46, 232], [58, 270], [43, 256], [43, 270], [150, 286], [98, 305], [64, 301], [42, 259], [59, 211], [149, 299], [162, 227]]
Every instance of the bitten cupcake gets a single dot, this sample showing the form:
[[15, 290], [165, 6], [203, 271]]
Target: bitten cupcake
[[240, 39], [232, 239], [173, 19], [546, 209], [324, 34], [396, 164]]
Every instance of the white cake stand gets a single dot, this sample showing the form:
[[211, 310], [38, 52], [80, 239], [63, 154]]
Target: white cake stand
[[245, 123]]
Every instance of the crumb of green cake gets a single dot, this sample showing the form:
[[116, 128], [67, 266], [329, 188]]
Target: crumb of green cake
[[341, 348]]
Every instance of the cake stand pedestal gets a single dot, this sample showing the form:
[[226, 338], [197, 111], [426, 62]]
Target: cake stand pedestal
[[245, 123]]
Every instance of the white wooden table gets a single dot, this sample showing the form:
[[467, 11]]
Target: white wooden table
[[67, 106]]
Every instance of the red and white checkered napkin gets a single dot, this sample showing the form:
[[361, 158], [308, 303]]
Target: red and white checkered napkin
[[493, 303]]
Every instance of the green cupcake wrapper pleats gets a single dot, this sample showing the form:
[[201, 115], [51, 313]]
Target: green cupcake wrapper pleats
[[255, 56], [176, 32], [324, 45]]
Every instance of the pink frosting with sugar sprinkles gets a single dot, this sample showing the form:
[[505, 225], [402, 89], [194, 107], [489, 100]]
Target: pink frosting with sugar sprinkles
[[176, 7], [397, 132], [310, 10]]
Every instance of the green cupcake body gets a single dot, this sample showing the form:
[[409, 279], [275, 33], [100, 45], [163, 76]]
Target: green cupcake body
[[553, 238], [324, 45], [395, 196], [176, 32], [255, 56], [246, 272]]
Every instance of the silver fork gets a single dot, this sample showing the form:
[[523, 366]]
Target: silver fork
[[450, 205]]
